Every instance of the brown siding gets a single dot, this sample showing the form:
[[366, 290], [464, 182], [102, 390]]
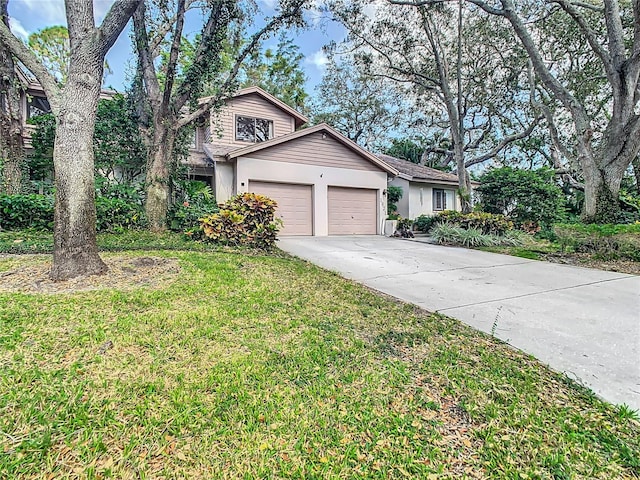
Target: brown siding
[[315, 150], [252, 105]]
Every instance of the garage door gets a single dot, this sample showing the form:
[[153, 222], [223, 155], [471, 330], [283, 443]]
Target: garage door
[[353, 211], [294, 205]]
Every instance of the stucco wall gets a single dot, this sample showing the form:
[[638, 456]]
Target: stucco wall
[[417, 198], [224, 180], [403, 203], [320, 177]]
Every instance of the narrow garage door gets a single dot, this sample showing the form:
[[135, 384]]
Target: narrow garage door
[[294, 205], [353, 211]]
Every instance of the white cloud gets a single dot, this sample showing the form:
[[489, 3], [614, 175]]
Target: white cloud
[[50, 12], [318, 59], [18, 29]]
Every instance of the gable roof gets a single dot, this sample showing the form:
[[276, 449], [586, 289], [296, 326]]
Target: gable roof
[[324, 128], [419, 173], [299, 118]]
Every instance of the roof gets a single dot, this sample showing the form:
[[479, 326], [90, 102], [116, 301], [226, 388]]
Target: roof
[[418, 173], [299, 118], [323, 127]]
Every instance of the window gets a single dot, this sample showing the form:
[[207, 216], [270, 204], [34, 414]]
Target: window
[[253, 130], [439, 199], [37, 106]]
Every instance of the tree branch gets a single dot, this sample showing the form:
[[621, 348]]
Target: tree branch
[[504, 143], [145, 62], [292, 12], [29, 60], [114, 22], [173, 53]]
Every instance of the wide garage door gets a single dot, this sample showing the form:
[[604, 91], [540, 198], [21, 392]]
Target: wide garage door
[[295, 206], [353, 211]]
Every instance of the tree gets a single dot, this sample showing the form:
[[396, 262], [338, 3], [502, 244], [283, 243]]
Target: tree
[[607, 137], [522, 195], [362, 107], [11, 139], [74, 106], [213, 68], [118, 148], [51, 46], [465, 88], [279, 72]]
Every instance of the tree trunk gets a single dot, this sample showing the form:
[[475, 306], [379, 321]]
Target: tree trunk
[[75, 251], [636, 173], [601, 193], [11, 140], [159, 177]]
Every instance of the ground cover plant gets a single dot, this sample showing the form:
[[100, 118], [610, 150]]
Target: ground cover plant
[[256, 366]]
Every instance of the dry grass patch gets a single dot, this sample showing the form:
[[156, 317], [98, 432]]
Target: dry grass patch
[[30, 274]]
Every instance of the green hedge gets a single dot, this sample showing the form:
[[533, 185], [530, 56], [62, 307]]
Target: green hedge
[[20, 212]]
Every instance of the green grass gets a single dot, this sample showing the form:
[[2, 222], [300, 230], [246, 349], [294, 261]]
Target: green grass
[[267, 367]]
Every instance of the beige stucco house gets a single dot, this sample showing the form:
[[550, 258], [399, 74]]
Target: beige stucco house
[[426, 191], [324, 183]]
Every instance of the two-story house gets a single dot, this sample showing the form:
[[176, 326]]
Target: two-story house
[[324, 183]]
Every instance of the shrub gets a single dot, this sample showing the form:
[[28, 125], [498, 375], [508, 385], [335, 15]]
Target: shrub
[[487, 223], [522, 195], [116, 215], [18, 212], [195, 201], [403, 228], [608, 241], [424, 223], [393, 195], [246, 219], [450, 234]]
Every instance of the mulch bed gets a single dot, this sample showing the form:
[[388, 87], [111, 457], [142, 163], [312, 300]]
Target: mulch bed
[[125, 273]]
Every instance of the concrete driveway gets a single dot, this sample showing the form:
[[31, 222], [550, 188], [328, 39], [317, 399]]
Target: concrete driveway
[[583, 322]]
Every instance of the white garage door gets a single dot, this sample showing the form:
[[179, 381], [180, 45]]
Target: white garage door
[[353, 211], [295, 206]]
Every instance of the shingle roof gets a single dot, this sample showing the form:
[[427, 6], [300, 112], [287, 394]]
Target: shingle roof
[[418, 172]]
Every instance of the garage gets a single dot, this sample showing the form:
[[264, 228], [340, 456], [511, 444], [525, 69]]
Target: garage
[[295, 205], [352, 211]]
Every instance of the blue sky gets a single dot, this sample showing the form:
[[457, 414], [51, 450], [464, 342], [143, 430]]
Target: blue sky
[[28, 16]]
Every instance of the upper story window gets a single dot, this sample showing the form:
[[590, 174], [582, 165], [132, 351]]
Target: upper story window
[[439, 199], [37, 106], [254, 130]]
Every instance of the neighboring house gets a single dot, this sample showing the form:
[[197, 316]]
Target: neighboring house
[[324, 183], [33, 102], [425, 190]]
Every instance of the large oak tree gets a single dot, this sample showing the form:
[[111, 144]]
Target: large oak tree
[[606, 133], [74, 107]]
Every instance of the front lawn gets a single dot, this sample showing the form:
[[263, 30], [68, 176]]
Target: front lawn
[[251, 366]]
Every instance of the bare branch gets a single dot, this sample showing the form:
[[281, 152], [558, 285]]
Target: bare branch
[[506, 141]]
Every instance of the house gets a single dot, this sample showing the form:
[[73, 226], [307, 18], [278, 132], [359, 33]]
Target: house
[[33, 102], [425, 190], [324, 183]]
